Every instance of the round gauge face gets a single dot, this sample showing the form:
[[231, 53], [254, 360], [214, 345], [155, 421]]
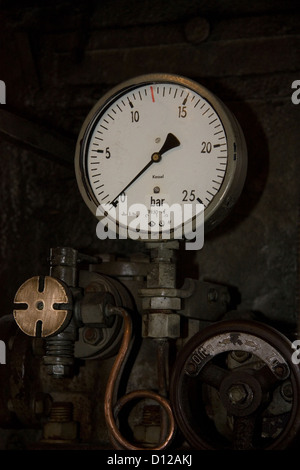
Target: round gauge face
[[163, 150]]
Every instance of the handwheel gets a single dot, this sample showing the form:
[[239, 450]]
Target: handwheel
[[234, 386]]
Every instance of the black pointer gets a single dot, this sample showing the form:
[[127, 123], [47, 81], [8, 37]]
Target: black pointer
[[170, 143]]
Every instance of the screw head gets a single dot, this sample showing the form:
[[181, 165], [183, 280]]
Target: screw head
[[92, 335], [281, 371], [191, 368]]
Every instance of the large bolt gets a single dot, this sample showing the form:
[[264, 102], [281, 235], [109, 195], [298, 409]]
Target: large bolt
[[61, 426], [237, 394], [61, 412]]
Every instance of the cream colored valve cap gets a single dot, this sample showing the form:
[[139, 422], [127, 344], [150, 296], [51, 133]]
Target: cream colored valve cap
[[44, 306]]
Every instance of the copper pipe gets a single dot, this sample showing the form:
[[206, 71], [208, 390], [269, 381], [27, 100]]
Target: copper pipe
[[111, 411]]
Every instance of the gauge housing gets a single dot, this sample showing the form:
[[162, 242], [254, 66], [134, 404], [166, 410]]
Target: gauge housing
[[223, 197]]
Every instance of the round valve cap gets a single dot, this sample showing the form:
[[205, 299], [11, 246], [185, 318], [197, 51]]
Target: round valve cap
[[42, 306]]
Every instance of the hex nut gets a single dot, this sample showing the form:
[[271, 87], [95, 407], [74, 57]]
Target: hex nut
[[161, 325], [162, 275], [60, 431], [161, 303], [237, 394], [58, 370], [147, 434]]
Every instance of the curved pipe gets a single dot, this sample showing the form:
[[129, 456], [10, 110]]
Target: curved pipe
[[111, 411]]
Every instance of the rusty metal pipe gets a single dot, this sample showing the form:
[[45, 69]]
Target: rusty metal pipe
[[112, 410], [162, 375]]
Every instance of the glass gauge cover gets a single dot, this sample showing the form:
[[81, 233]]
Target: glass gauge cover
[[160, 141]]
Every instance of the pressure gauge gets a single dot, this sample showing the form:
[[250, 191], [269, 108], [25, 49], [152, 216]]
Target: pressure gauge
[[158, 142]]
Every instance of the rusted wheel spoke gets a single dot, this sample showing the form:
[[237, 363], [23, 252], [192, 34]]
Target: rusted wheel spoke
[[266, 378], [244, 431], [213, 375]]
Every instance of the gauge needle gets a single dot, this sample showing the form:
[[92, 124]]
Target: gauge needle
[[170, 143]]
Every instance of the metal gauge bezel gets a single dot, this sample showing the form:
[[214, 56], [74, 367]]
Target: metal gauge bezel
[[235, 174]]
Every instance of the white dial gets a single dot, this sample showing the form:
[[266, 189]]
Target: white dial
[[161, 140]]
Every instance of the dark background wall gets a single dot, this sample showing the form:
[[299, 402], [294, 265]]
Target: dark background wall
[[57, 58]]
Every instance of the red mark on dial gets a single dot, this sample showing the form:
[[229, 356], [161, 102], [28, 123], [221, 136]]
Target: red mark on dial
[[152, 94]]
